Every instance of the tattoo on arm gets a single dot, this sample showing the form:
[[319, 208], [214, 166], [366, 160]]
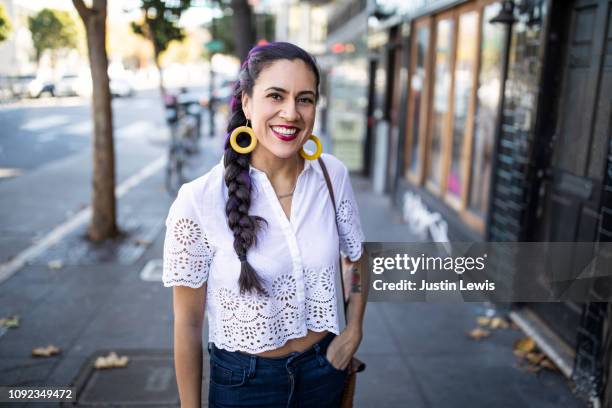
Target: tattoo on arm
[[355, 279]]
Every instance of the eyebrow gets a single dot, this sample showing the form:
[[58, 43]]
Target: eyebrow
[[284, 91]]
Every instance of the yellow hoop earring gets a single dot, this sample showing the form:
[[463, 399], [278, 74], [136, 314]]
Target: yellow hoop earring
[[317, 152], [239, 149]]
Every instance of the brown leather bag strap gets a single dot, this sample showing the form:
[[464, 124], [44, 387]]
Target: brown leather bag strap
[[355, 365], [333, 199]]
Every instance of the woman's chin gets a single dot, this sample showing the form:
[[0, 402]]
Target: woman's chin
[[284, 151]]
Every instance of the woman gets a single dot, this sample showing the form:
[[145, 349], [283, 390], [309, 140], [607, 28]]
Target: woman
[[254, 243]]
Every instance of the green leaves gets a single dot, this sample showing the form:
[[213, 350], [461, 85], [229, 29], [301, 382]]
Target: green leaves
[[52, 30], [5, 24], [161, 22]]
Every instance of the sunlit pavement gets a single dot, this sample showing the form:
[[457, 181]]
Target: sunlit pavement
[[46, 156]]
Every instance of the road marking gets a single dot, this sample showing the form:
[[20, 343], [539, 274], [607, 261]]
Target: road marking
[[45, 122], [47, 137], [7, 269], [44, 103], [79, 128], [135, 129], [152, 271], [8, 172]]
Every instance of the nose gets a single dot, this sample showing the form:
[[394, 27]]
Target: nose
[[289, 111]]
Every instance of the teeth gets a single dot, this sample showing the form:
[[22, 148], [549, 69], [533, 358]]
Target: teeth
[[284, 131]]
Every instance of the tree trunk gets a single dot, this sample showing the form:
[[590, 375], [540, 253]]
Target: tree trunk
[[103, 221], [162, 88], [156, 57], [244, 33]]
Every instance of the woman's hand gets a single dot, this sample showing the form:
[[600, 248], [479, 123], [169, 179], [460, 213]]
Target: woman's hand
[[342, 348]]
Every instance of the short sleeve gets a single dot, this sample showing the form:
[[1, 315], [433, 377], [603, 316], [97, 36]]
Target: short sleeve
[[187, 251], [349, 224]]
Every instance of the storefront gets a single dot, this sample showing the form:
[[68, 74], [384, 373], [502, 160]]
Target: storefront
[[505, 133], [451, 112], [345, 83]]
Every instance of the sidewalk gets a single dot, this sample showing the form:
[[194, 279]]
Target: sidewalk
[[418, 354]]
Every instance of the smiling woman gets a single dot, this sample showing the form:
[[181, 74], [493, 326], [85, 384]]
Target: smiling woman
[[282, 108], [269, 271]]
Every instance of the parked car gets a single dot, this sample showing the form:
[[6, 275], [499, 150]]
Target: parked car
[[30, 86], [121, 87], [39, 87], [68, 85], [19, 84]]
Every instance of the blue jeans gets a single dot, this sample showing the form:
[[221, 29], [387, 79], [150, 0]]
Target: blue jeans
[[299, 380]]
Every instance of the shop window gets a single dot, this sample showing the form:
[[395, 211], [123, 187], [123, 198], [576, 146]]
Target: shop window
[[463, 89], [440, 103], [487, 97], [417, 103], [453, 103]]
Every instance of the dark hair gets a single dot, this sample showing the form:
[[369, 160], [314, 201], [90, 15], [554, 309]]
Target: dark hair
[[237, 178]]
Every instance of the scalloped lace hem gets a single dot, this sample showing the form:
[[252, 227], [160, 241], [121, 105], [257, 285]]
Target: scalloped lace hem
[[272, 346], [181, 282]]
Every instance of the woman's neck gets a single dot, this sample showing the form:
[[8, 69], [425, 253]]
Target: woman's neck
[[277, 169]]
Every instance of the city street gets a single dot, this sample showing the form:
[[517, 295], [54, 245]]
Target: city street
[[480, 128], [47, 145], [418, 355]]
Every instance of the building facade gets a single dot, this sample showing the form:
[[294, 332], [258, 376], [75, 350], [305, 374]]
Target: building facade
[[497, 115]]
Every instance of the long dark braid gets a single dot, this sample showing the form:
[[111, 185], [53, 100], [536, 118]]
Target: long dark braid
[[237, 178]]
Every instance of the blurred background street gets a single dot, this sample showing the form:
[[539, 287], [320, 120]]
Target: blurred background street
[[470, 120]]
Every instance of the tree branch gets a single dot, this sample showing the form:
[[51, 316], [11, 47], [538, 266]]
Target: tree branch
[[83, 10]]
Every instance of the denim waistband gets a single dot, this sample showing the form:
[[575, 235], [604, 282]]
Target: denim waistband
[[248, 360]]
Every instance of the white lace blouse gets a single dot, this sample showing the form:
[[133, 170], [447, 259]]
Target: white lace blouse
[[296, 257]]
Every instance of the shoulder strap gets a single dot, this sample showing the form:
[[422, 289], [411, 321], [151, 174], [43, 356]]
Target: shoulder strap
[[355, 365], [328, 182], [333, 199]]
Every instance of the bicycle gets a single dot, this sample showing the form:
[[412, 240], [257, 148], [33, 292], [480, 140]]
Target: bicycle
[[184, 138]]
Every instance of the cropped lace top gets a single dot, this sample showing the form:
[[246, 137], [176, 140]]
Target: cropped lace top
[[296, 257]]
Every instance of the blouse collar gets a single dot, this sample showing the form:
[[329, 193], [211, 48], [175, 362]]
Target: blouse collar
[[308, 165]]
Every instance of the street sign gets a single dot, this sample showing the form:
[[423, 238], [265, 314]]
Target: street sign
[[215, 46]]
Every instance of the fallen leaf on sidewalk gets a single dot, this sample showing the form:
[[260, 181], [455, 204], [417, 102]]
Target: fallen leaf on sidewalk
[[519, 353], [10, 322], [48, 351], [527, 350], [549, 365], [498, 323], [526, 344], [55, 264], [111, 361], [479, 333], [492, 323], [534, 358]]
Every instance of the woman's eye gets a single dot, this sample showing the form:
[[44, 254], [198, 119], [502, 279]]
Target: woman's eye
[[306, 100], [275, 96]]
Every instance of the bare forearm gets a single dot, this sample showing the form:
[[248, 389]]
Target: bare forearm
[[357, 278], [188, 364]]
